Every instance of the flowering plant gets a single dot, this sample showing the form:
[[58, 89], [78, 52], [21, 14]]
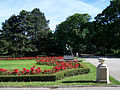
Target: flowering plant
[[53, 61]]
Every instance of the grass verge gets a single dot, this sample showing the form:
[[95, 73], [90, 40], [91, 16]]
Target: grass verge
[[20, 64]]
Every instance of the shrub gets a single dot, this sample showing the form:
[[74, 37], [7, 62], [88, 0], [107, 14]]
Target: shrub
[[45, 77]]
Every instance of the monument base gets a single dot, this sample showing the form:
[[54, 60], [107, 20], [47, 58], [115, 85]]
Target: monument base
[[102, 74], [68, 57]]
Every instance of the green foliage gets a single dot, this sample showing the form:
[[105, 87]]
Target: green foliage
[[72, 72], [73, 32], [24, 34], [28, 34], [27, 78], [107, 28]]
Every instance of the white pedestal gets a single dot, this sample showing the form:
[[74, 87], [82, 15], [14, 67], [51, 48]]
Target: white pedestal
[[102, 73]]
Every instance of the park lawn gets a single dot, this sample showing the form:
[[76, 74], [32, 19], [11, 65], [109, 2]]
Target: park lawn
[[20, 64], [85, 79]]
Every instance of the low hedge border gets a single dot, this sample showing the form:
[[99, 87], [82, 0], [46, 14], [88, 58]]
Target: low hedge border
[[45, 77], [71, 72]]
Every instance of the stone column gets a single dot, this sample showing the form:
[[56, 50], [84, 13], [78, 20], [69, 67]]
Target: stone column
[[102, 72]]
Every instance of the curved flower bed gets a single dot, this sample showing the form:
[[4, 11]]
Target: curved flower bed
[[60, 70], [53, 61]]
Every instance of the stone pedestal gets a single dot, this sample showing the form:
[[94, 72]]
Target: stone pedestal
[[102, 72], [68, 57]]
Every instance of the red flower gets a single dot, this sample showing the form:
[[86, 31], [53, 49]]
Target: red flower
[[63, 68], [37, 71], [9, 72], [2, 69], [40, 70], [32, 69], [22, 72], [39, 67], [34, 66], [53, 71], [5, 70], [28, 71], [24, 69], [75, 61], [45, 70]]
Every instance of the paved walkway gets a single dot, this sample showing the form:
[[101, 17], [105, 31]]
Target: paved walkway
[[112, 63]]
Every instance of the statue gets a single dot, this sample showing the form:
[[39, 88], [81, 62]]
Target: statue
[[68, 51], [67, 47], [68, 55]]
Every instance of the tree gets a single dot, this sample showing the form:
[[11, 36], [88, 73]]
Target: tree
[[73, 32], [41, 29], [23, 32], [107, 26], [3, 43]]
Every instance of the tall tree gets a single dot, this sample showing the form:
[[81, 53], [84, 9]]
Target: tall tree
[[40, 29], [73, 32], [22, 32], [107, 26]]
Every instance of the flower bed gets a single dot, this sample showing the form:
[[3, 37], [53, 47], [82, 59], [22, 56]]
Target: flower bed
[[27, 58], [60, 69], [45, 77], [53, 61]]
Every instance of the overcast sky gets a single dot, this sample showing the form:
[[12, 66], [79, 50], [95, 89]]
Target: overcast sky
[[55, 10]]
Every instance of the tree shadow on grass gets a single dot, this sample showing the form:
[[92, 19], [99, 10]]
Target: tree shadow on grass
[[83, 81]]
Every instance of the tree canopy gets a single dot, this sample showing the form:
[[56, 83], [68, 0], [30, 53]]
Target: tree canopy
[[107, 26], [28, 33], [73, 32], [24, 34]]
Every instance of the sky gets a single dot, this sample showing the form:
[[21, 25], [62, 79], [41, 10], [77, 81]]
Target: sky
[[55, 10]]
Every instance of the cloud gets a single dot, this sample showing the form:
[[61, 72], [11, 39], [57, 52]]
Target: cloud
[[55, 10]]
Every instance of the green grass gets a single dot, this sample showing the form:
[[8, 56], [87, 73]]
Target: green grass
[[79, 58], [20, 64], [85, 79]]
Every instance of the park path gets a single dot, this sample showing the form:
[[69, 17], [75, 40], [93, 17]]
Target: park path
[[112, 63]]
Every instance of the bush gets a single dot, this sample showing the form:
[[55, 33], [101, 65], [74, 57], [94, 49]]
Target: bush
[[45, 77], [71, 72]]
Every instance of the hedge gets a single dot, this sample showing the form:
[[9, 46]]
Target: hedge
[[45, 77], [71, 72]]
